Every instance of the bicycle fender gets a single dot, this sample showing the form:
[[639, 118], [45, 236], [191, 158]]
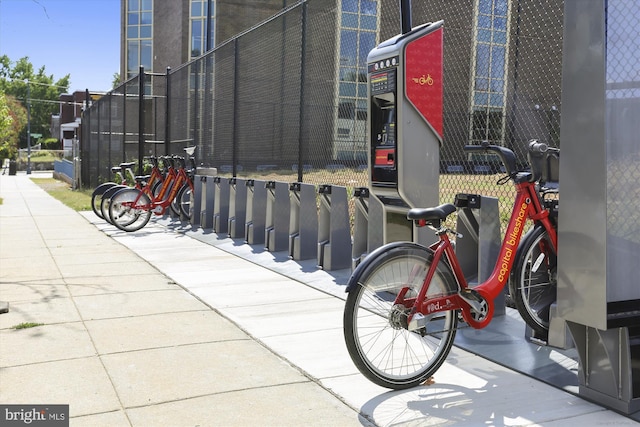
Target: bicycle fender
[[371, 259]]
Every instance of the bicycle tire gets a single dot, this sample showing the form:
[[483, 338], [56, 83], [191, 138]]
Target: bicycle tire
[[184, 201], [126, 217], [175, 203], [533, 284], [96, 197], [381, 347], [106, 199]]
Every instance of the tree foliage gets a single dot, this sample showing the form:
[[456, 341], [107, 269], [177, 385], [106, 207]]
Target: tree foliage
[[20, 81], [13, 119]]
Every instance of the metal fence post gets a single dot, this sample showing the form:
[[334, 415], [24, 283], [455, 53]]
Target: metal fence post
[[167, 112], [140, 118]]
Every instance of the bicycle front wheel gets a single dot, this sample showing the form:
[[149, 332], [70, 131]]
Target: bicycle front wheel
[[184, 201], [375, 324], [533, 284], [129, 209], [96, 197], [106, 201]]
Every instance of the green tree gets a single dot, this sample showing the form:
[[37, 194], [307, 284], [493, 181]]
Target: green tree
[[116, 80], [43, 92], [13, 118]]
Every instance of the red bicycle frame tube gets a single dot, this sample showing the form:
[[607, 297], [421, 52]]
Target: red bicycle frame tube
[[526, 206]]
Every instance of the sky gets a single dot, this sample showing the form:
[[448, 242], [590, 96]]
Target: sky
[[76, 37]]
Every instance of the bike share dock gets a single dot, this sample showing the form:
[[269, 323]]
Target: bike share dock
[[601, 317]]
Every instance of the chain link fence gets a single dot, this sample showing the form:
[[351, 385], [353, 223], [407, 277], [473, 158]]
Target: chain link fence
[[269, 103], [623, 121]]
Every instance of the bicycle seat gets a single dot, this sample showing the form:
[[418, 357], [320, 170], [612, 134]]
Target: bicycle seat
[[127, 165], [431, 214]]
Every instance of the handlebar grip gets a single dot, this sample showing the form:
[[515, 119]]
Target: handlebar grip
[[537, 147], [475, 148]]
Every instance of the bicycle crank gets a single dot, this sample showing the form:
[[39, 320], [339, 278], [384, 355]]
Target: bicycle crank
[[480, 311]]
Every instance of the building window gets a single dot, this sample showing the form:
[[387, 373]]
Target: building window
[[357, 37], [198, 27], [139, 36], [489, 76]]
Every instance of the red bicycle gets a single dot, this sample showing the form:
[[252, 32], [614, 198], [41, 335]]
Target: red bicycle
[[148, 183], [405, 299], [130, 209]]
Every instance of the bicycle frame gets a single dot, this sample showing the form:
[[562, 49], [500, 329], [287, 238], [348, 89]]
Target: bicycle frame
[[171, 184], [471, 301]]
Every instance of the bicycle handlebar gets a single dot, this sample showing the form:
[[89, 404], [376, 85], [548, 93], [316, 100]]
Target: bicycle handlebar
[[536, 147], [506, 156]]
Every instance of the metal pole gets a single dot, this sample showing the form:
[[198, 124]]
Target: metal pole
[[28, 128], [208, 46], [405, 16], [140, 119], [302, 85], [85, 144], [196, 101], [167, 115], [235, 107]]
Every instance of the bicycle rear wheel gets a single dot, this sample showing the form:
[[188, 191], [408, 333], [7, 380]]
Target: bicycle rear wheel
[[533, 285], [375, 327], [129, 209], [96, 197]]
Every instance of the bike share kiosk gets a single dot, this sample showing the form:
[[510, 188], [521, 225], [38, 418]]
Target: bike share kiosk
[[405, 130], [598, 232]]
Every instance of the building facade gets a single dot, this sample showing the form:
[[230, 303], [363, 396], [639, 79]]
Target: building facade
[[158, 34], [502, 68]]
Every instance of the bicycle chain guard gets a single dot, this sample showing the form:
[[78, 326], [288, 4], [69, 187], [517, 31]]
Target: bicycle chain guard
[[479, 309]]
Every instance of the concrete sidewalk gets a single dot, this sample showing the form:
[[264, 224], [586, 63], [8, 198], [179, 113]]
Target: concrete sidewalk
[[121, 342], [165, 328]]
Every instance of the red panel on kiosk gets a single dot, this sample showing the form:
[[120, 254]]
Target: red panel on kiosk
[[423, 77], [385, 157]]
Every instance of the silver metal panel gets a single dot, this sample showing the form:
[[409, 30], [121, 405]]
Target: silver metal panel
[[375, 233], [582, 255], [256, 212], [206, 202], [276, 233], [196, 201], [221, 205], [418, 158], [303, 221], [237, 207], [360, 225], [334, 233], [599, 236]]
